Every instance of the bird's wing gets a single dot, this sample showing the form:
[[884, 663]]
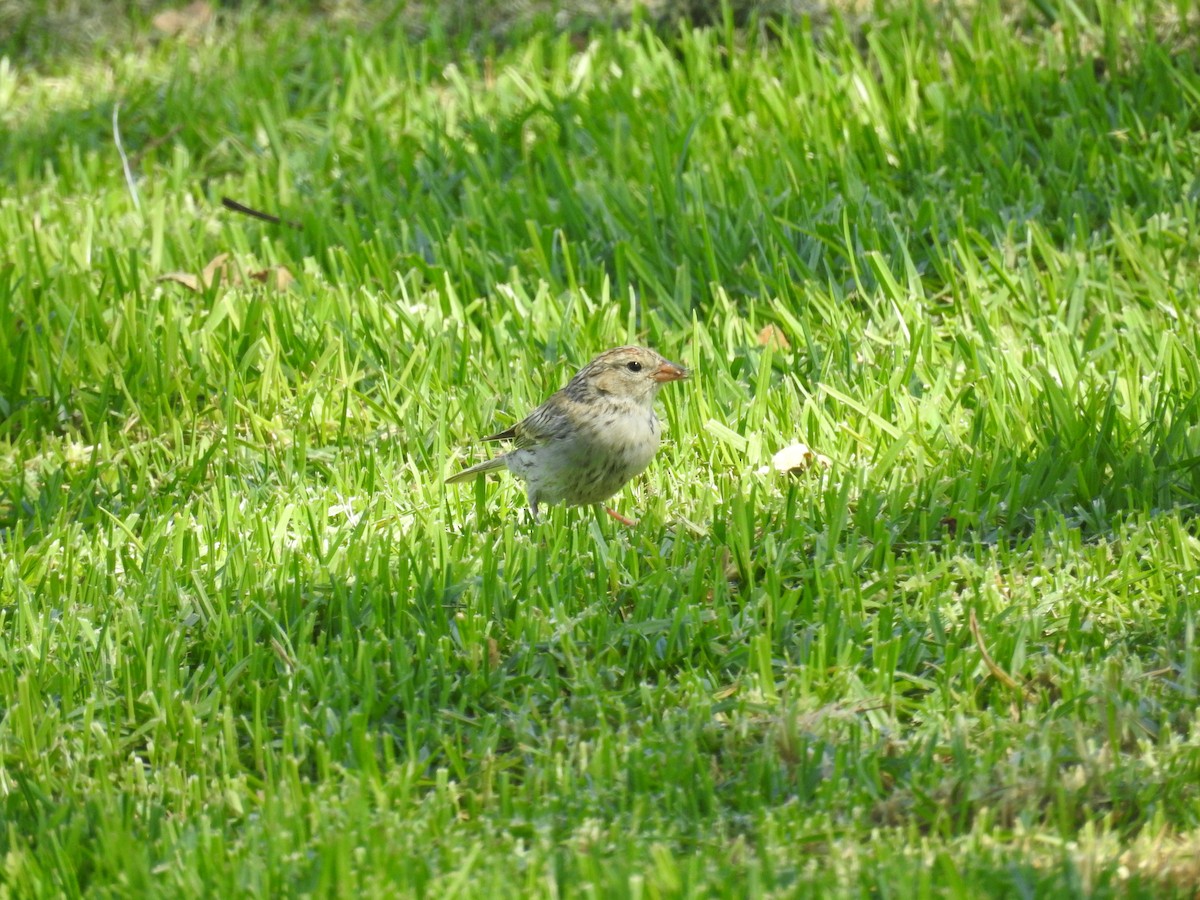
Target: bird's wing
[[546, 423], [506, 435]]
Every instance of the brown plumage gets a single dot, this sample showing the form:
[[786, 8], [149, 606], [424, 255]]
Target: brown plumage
[[588, 439]]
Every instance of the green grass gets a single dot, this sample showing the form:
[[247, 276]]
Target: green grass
[[250, 643]]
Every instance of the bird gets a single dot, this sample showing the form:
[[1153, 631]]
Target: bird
[[588, 439]]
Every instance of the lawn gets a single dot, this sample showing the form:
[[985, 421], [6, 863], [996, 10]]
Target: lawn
[[250, 643]]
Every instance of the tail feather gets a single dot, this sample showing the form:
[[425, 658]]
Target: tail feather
[[488, 465]]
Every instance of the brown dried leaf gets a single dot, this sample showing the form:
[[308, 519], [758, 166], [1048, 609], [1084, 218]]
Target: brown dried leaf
[[277, 277], [219, 264], [173, 22], [187, 279], [773, 337]]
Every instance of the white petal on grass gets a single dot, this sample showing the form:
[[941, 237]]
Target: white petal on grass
[[795, 459]]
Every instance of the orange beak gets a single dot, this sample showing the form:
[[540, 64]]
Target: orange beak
[[670, 372]]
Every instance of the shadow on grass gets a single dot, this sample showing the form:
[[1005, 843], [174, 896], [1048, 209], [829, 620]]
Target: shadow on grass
[[1088, 464], [993, 160]]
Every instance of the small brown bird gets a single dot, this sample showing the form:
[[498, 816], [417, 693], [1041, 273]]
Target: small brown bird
[[591, 437]]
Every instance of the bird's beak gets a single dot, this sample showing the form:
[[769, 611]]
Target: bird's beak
[[670, 372]]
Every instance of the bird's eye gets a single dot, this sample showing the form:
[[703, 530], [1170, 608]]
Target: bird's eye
[[634, 366]]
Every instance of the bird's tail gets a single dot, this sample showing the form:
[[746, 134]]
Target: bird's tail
[[478, 469]]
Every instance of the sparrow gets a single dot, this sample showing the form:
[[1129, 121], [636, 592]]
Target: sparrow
[[588, 439]]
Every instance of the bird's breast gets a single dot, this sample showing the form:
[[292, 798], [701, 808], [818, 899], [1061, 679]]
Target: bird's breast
[[629, 436]]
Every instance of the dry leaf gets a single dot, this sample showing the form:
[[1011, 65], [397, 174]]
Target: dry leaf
[[203, 281], [773, 337], [173, 22], [796, 459], [277, 277], [493, 653], [187, 279], [219, 264]]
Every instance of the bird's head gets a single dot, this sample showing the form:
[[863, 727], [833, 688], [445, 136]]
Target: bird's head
[[633, 373]]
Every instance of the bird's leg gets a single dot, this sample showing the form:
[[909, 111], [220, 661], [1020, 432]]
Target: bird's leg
[[624, 520]]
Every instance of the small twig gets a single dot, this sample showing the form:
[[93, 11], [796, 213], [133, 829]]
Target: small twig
[[229, 203], [1158, 673], [124, 159], [998, 673]]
